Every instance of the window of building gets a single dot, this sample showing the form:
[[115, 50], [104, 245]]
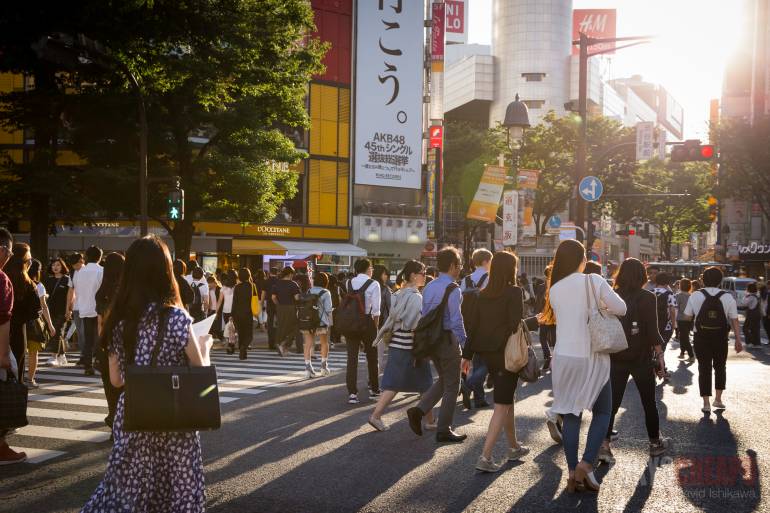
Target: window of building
[[533, 77], [534, 104]]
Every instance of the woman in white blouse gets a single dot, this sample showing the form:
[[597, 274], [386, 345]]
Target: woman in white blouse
[[580, 376]]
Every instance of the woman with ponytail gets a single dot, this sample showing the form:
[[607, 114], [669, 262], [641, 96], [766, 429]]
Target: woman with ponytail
[[402, 372]]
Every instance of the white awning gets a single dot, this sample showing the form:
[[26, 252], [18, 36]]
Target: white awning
[[321, 248]]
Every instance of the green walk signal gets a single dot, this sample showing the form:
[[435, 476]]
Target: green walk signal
[[175, 207]]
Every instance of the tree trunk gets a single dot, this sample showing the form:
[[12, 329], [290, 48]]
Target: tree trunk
[[39, 220]]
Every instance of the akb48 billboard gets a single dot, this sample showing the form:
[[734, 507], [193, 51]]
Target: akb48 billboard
[[389, 60]]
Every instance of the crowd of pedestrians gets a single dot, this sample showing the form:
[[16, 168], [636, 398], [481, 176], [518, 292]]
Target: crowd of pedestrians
[[439, 332]]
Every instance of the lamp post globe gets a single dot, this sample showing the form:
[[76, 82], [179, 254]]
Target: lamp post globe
[[516, 119]]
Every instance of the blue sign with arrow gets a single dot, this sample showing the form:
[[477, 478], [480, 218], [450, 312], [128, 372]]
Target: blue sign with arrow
[[554, 222], [590, 188]]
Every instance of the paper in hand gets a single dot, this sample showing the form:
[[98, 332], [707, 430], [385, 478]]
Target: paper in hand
[[205, 341]]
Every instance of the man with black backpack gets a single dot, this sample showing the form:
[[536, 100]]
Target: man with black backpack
[[715, 312], [441, 309], [666, 306], [470, 286], [200, 288], [357, 319]]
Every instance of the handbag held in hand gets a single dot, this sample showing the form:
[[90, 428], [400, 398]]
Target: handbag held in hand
[[605, 329], [516, 348], [13, 403], [171, 398]]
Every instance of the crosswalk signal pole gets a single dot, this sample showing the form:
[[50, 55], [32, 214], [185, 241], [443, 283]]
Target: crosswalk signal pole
[[175, 209]]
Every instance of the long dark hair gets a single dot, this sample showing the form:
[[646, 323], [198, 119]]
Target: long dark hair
[[147, 278], [410, 268], [569, 256], [113, 269], [16, 270], [631, 276], [377, 273], [502, 274], [35, 270]]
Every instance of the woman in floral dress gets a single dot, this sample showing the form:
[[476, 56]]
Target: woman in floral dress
[[149, 471]]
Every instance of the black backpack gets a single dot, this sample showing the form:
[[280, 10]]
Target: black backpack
[[661, 301], [638, 347], [352, 318], [711, 320], [196, 307], [308, 312], [470, 297], [429, 332]]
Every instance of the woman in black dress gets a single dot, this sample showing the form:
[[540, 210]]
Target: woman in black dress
[[241, 314], [26, 303]]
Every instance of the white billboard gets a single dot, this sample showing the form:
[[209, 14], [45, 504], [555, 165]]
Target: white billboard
[[389, 71]]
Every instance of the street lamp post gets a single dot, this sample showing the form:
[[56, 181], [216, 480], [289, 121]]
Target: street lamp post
[[516, 122]]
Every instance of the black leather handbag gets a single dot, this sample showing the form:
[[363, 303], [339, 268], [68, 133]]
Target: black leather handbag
[[171, 398], [13, 403]]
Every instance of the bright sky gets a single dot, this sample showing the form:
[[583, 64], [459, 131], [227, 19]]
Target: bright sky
[[695, 40]]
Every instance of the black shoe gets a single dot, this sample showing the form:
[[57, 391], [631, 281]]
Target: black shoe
[[242, 354], [230, 349], [450, 437], [481, 404], [89, 371], [613, 435], [546, 364], [466, 395], [415, 420], [490, 383]]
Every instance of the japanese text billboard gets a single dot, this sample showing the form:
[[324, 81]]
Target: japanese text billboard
[[487, 199], [389, 57], [598, 23]]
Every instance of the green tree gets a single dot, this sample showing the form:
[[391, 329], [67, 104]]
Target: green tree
[[744, 171], [675, 217]]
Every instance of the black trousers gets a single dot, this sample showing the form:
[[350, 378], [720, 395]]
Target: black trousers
[[683, 329], [354, 344], [90, 337], [245, 328], [712, 355], [271, 328], [751, 327], [644, 378], [766, 324]]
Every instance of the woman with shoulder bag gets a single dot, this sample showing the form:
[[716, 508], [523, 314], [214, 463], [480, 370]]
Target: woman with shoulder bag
[[39, 329], [644, 343], [26, 302], [402, 372], [498, 313], [242, 315], [149, 471], [581, 377]]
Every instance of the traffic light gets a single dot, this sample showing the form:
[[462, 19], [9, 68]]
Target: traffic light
[[629, 231], [175, 206], [692, 151], [713, 208]]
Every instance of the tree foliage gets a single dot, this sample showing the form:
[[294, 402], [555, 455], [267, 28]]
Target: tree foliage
[[744, 151]]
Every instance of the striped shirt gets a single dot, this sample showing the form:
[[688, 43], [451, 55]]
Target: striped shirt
[[402, 339]]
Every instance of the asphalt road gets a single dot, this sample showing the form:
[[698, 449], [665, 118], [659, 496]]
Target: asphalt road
[[300, 448]]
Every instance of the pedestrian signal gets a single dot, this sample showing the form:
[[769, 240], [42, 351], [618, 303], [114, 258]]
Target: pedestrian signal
[[175, 207]]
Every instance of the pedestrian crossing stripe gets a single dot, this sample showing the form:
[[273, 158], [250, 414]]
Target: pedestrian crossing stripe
[[64, 389]]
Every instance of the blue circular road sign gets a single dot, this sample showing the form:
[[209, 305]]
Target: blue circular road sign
[[554, 222], [590, 188]]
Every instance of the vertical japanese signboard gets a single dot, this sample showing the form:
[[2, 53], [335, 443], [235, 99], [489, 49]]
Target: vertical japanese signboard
[[527, 182], [598, 23], [437, 38], [487, 199], [432, 189], [510, 218], [644, 140], [456, 22], [389, 56]]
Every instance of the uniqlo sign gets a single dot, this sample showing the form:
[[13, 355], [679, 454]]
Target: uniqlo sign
[[436, 136], [455, 16], [598, 23]]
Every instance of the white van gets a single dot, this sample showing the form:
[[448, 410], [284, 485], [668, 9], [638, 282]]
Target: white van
[[737, 288]]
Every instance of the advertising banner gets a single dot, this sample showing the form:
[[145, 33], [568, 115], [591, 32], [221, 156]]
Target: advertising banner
[[598, 23], [389, 57], [510, 218], [456, 22], [436, 136], [437, 38], [431, 189], [487, 199], [527, 182], [644, 140]]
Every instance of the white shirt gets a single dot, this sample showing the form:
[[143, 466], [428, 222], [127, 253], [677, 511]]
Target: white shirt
[[578, 373], [227, 302], [696, 302], [86, 282], [212, 298], [41, 290], [204, 287], [371, 296]]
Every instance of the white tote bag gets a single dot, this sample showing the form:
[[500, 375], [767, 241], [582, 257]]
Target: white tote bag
[[606, 330]]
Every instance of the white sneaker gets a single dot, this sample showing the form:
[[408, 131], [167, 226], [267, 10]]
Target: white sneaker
[[325, 371], [353, 399], [378, 424], [309, 371], [517, 453], [488, 465], [53, 361], [62, 360], [554, 425]]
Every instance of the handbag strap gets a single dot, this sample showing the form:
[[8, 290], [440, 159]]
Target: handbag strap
[[593, 290]]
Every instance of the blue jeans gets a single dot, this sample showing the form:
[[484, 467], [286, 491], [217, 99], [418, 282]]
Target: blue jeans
[[475, 382], [602, 410]]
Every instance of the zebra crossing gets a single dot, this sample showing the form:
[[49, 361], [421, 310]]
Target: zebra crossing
[[68, 409]]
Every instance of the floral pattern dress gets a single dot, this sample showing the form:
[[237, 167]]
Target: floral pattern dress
[[151, 472]]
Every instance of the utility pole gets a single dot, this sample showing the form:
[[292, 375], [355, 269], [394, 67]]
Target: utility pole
[[581, 155]]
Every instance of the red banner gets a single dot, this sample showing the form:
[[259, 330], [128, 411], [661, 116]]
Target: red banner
[[455, 16], [436, 136], [598, 23], [437, 33]]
